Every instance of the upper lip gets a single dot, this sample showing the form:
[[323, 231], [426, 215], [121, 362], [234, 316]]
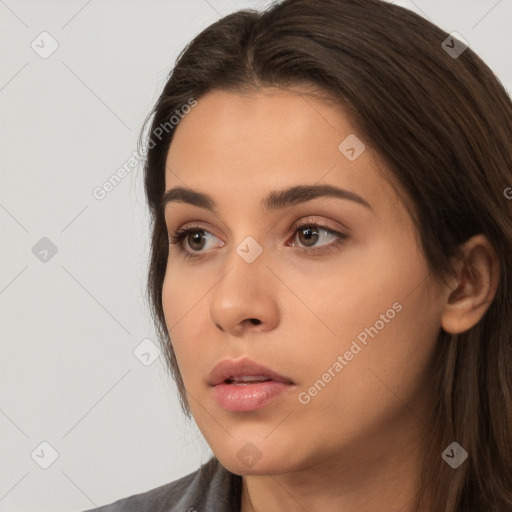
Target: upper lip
[[229, 368]]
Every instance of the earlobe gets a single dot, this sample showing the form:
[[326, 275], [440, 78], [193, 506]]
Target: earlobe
[[475, 287]]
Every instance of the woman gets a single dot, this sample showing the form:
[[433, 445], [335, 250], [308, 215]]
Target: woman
[[330, 185]]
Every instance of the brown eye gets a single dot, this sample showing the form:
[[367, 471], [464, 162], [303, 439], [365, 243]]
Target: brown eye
[[309, 236], [306, 234], [196, 239]]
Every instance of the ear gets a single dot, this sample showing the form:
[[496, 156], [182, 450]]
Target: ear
[[473, 288]]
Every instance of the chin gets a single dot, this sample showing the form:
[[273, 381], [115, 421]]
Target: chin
[[254, 458], [260, 468]]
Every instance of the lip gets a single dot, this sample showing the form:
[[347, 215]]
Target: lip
[[247, 396], [235, 368]]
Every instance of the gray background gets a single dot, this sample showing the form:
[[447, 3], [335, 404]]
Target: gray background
[[72, 373]]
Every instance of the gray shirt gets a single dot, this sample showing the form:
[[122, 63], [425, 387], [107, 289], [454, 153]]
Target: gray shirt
[[212, 488]]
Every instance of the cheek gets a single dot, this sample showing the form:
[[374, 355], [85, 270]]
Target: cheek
[[183, 301], [381, 298], [378, 279], [341, 297], [388, 327], [183, 290]]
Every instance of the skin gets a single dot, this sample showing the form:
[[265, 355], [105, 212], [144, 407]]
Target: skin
[[356, 445]]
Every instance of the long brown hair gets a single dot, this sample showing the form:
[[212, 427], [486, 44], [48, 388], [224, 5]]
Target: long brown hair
[[442, 125]]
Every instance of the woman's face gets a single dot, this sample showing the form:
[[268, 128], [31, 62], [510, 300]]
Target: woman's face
[[351, 319]]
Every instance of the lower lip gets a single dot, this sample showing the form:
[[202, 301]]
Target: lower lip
[[248, 397]]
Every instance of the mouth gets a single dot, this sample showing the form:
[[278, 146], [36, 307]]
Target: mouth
[[242, 380], [244, 385]]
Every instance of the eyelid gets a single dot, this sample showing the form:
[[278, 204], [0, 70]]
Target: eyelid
[[322, 224], [192, 226], [182, 232], [310, 219]]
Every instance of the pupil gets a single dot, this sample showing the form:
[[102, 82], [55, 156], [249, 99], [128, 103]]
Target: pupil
[[310, 232], [197, 237]]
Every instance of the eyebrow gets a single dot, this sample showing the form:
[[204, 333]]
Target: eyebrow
[[276, 200]]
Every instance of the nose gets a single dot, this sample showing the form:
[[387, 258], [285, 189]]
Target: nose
[[246, 298]]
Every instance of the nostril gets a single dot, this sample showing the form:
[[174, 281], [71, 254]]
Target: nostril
[[255, 321]]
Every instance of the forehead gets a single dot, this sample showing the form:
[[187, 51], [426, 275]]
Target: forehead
[[276, 120], [237, 146]]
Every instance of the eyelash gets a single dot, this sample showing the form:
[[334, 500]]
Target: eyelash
[[180, 234]]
